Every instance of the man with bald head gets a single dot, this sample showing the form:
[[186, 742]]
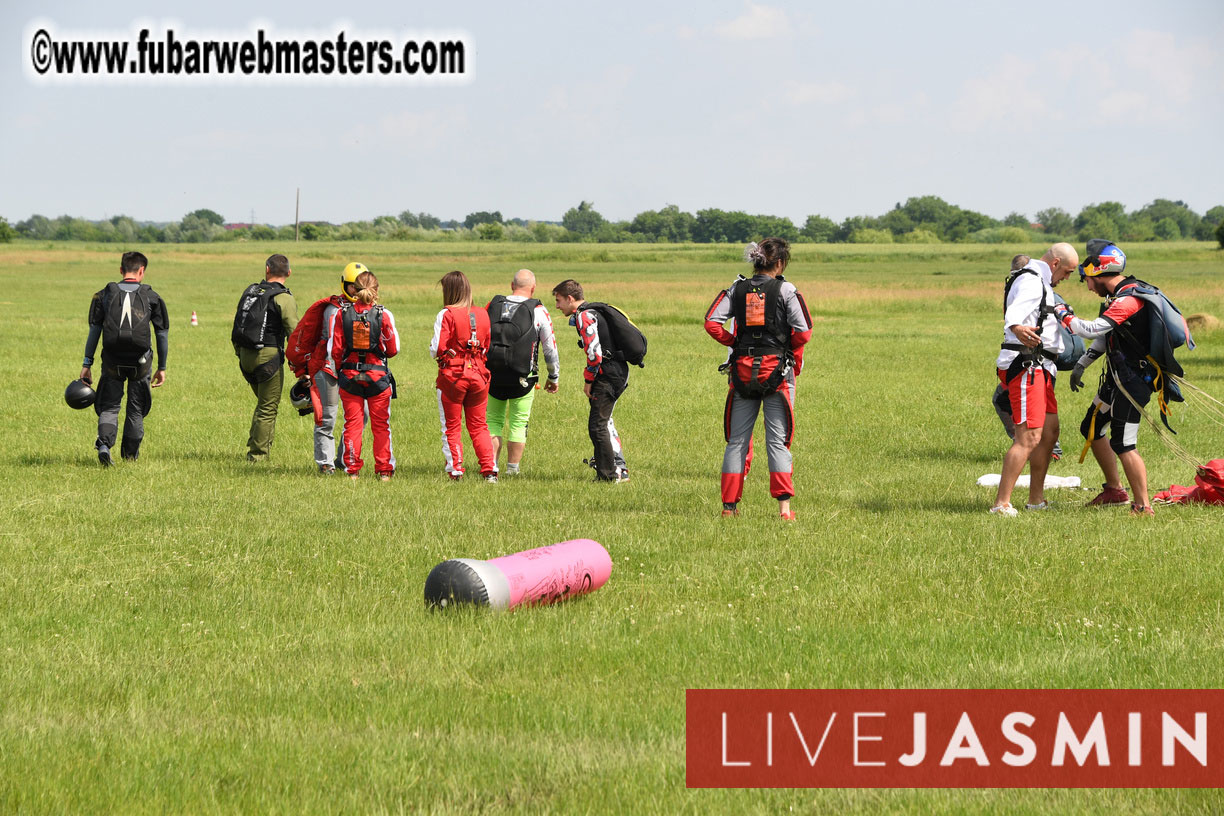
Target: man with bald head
[[1026, 369], [521, 328]]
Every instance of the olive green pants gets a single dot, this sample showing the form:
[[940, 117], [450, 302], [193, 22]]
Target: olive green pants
[[267, 401]]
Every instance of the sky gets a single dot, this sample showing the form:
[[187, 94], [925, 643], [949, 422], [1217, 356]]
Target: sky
[[777, 108]]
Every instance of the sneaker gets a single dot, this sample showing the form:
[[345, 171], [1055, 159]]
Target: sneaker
[[789, 515], [384, 477], [104, 457], [1004, 510], [454, 477], [1110, 496], [512, 470], [589, 462], [326, 470], [491, 478], [1146, 510], [622, 475], [729, 509], [1045, 505]]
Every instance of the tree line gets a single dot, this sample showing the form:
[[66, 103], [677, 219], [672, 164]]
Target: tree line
[[920, 220]]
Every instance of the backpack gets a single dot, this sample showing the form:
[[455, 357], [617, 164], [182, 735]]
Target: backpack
[[623, 340], [362, 336], [305, 337], [512, 337], [251, 325], [126, 319], [761, 356], [1167, 327]]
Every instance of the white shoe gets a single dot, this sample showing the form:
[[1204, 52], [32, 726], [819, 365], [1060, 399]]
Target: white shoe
[[1045, 505], [1004, 510]]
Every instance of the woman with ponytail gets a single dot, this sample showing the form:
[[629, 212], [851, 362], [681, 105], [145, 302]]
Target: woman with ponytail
[[362, 337], [766, 323], [459, 345]]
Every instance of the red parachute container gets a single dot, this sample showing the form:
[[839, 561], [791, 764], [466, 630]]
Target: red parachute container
[[1210, 490]]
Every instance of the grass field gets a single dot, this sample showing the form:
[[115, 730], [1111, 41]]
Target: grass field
[[193, 634]]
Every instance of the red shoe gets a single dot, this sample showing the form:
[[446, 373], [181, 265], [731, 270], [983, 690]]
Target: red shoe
[[1110, 496], [788, 516], [728, 512], [1146, 510]]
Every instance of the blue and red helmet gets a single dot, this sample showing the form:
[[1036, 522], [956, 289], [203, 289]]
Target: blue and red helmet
[[1102, 258]]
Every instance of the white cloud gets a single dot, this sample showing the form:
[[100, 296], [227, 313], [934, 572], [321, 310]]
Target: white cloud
[[1006, 97], [757, 23]]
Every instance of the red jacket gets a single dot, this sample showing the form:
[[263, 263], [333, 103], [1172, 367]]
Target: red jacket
[[335, 343], [451, 345]]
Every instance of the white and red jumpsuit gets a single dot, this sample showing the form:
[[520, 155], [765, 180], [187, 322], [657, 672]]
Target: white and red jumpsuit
[[739, 414], [355, 405], [463, 385]]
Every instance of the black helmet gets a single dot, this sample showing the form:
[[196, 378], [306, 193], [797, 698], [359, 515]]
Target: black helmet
[[299, 397], [79, 394]]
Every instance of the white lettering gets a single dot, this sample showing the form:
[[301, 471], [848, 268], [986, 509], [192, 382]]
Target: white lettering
[[726, 762], [857, 739], [1134, 741], [1065, 737], [769, 739], [1028, 748], [916, 756], [1171, 732], [810, 756], [964, 744]]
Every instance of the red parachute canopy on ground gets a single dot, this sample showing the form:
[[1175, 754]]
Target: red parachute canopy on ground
[[1210, 490]]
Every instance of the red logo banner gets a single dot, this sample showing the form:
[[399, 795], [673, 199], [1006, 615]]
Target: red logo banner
[[947, 738]]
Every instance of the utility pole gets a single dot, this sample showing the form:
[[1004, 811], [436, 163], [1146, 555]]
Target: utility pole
[[297, 215]]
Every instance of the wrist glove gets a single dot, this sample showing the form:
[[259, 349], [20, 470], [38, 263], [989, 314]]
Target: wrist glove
[[1063, 313], [1077, 377]]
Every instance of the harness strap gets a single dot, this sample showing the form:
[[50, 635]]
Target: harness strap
[[1033, 352]]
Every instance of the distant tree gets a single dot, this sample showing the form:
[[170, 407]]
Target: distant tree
[[544, 233], [482, 217], [490, 231], [428, 221], [897, 221], [311, 232], [1097, 225], [1167, 230], [818, 229], [409, 219], [1138, 229], [582, 220], [7, 233], [855, 224], [774, 226], [1219, 234], [720, 226], [262, 232], [1108, 210], [1186, 218], [1015, 219], [207, 216], [1055, 221], [669, 224], [1206, 227], [37, 226]]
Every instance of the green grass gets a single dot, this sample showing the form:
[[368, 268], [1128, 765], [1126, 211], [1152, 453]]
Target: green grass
[[193, 634]]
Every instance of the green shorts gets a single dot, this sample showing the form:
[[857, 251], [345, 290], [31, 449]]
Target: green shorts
[[508, 418]]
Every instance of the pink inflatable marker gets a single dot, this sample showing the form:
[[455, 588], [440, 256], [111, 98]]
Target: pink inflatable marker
[[541, 576]]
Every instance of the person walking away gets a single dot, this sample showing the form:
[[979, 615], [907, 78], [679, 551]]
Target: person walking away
[[520, 329], [459, 346], [361, 340], [128, 317], [266, 316]]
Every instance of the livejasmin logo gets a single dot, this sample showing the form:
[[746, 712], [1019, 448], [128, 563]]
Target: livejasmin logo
[[951, 738]]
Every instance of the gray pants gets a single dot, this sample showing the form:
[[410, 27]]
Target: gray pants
[[324, 432], [739, 419], [110, 396]]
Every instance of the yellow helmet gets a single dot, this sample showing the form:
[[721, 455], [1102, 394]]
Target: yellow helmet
[[349, 275]]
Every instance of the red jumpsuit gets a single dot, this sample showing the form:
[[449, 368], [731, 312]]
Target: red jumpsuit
[[355, 404], [463, 385]]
